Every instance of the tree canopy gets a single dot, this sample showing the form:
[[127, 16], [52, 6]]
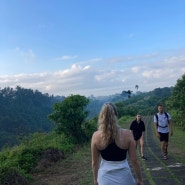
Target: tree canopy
[[23, 111], [176, 102], [69, 116]]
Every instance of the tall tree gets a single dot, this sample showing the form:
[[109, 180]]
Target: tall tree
[[137, 87], [177, 102], [69, 116]]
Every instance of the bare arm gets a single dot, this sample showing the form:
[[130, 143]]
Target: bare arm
[[134, 160], [156, 130], [132, 133], [170, 125], [95, 154]]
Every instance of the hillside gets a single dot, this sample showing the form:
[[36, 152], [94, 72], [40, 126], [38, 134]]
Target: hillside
[[43, 150], [24, 111]]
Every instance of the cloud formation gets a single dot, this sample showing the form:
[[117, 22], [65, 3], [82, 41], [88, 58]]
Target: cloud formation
[[147, 71]]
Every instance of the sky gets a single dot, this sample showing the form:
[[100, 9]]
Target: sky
[[91, 47]]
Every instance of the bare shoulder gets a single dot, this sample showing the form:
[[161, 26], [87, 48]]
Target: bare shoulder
[[96, 140], [96, 135]]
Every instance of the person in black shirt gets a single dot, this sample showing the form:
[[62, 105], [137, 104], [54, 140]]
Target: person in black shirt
[[137, 128]]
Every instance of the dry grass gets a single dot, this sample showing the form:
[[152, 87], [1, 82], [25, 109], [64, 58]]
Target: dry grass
[[74, 170]]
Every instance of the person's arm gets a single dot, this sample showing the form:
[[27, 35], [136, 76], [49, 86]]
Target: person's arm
[[95, 154], [170, 126], [156, 127], [132, 133], [156, 130], [131, 129], [143, 130], [134, 159]]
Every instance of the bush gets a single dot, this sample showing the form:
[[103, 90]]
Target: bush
[[90, 127], [18, 162]]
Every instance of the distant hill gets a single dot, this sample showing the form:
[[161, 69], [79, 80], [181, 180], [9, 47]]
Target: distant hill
[[24, 111], [144, 102]]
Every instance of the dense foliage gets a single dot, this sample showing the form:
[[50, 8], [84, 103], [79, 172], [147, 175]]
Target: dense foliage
[[18, 163], [176, 102], [69, 116], [23, 111], [144, 103]]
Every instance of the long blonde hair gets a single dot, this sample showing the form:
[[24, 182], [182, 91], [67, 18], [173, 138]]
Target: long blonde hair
[[108, 123]]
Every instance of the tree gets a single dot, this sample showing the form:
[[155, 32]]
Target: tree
[[129, 92], [69, 116], [137, 87], [177, 102]]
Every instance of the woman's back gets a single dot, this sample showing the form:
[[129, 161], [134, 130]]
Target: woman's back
[[112, 143], [122, 139]]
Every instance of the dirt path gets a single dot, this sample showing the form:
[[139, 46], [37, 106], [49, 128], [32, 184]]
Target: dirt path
[[155, 169]]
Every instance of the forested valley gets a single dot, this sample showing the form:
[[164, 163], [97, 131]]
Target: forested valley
[[25, 111]]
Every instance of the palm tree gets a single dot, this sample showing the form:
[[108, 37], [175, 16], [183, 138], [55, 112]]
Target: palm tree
[[137, 87], [129, 92]]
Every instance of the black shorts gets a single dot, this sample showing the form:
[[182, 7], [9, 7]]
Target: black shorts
[[137, 136], [164, 136]]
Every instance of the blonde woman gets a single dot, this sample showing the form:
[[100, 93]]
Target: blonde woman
[[109, 148]]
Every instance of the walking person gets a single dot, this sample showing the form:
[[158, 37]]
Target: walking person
[[137, 128], [109, 148], [163, 126]]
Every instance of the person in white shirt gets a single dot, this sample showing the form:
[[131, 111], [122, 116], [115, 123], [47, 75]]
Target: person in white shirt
[[163, 126]]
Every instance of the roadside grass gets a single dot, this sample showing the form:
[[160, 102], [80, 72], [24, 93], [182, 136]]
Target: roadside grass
[[84, 155], [177, 144]]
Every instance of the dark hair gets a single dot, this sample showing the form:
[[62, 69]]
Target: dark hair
[[160, 105]]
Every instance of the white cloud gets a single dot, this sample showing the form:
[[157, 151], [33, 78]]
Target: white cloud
[[149, 73], [66, 57], [135, 69]]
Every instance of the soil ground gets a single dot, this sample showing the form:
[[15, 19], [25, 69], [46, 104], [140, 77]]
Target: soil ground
[[76, 169]]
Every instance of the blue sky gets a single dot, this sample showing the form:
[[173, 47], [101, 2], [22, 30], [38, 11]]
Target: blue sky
[[86, 47]]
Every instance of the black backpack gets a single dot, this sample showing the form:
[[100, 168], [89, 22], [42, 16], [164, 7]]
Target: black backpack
[[158, 119]]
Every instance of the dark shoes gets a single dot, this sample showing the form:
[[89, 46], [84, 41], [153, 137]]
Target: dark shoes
[[143, 158]]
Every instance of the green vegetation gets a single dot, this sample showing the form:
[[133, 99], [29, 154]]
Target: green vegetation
[[72, 127], [176, 103], [177, 144], [69, 115], [23, 111], [24, 158]]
